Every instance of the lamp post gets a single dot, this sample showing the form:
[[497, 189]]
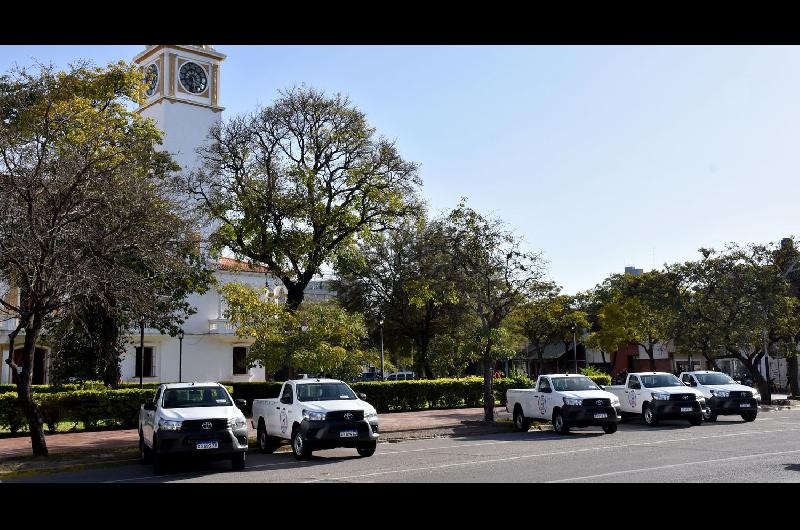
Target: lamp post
[[380, 325], [574, 349], [180, 355], [141, 357]]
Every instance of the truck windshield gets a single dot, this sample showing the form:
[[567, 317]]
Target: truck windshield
[[197, 396], [714, 379], [324, 392], [573, 383], [659, 380]]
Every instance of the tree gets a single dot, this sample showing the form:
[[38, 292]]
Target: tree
[[787, 258], [494, 276], [546, 319], [402, 275], [297, 182], [745, 305], [83, 190], [639, 309], [318, 338]]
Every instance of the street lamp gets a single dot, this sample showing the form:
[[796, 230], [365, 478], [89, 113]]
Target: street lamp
[[380, 324], [180, 355], [141, 357], [574, 349]]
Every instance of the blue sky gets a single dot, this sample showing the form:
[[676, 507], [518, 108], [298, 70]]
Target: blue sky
[[600, 157]]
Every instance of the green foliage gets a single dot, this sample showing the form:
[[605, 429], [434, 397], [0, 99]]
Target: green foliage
[[599, 377]]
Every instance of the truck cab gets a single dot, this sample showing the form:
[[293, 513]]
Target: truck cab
[[723, 395], [316, 414], [192, 420], [568, 400], [658, 395]]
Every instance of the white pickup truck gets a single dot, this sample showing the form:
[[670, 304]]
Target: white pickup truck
[[659, 395], [568, 400], [724, 396], [316, 414], [194, 420]]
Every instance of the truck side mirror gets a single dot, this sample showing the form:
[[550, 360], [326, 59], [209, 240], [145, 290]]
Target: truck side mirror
[[362, 396], [241, 403], [150, 405], [602, 387]]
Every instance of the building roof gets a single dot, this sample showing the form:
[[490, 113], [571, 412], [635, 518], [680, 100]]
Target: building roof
[[234, 265]]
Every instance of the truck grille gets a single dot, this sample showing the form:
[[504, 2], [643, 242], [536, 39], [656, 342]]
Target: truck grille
[[741, 394], [597, 402], [683, 397], [338, 415], [217, 424]]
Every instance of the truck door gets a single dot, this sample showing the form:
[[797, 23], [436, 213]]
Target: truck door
[[282, 419], [633, 394], [150, 418], [543, 400]]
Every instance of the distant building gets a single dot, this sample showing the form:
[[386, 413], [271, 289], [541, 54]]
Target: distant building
[[319, 290], [633, 271]]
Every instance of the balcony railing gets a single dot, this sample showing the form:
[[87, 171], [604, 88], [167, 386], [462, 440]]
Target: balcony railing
[[220, 325]]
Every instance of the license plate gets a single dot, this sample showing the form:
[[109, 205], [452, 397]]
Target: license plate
[[348, 434], [211, 444], [600, 415], [686, 409], [744, 405]]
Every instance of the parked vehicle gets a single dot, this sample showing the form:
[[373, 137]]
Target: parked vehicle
[[724, 397], [316, 414], [400, 376], [568, 400], [658, 395], [194, 420], [370, 376]]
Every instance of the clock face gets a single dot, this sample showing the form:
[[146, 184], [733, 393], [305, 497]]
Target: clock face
[[151, 79], [193, 78]]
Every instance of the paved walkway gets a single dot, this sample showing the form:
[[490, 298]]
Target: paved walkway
[[100, 440]]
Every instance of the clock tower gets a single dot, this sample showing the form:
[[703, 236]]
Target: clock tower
[[182, 95]]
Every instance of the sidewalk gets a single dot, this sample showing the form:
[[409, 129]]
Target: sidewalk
[[394, 426]]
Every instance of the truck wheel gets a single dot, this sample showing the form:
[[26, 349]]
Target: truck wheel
[[300, 446], [266, 443], [521, 423], [708, 415], [750, 416], [159, 459], [650, 417], [559, 425], [238, 461], [696, 420], [367, 449], [610, 428], [145, 453]]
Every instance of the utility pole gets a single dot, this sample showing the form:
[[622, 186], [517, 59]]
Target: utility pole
[[574, 349], [141, 358], [380, 325]]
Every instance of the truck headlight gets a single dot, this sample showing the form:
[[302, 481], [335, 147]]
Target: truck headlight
[[720, 393], [370, 416], [572, 401], [661, 396], [614, 402], [237, 423], [756, 395], [310, 415], [169, 425]]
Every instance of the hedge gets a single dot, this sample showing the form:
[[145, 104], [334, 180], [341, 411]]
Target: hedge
[[112, 407], [67, 387]]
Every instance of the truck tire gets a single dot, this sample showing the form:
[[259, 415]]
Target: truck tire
[[696, 420], [521, 423], [559, 425], [610, 428], [238, 461], [750, 416], [266, 443], [709, 416], [145, 453], [159, 459], [300, 446], [366, 449], [649, 416]]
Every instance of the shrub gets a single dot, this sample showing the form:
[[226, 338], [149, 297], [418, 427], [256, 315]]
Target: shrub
[[601, 378]]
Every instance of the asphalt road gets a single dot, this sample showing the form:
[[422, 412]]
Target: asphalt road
[[767, 450]]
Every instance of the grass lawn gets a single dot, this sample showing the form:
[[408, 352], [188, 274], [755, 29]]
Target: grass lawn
[[61, 427]]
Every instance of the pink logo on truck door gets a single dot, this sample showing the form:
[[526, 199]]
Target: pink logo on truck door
[[632, 398], [542, 404]]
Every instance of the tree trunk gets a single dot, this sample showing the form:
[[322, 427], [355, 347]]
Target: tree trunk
[[712, 361], [541, 363], [761, 383], [294, 295], [652, 359], [24, 393], [488, 374], [794, 384]]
